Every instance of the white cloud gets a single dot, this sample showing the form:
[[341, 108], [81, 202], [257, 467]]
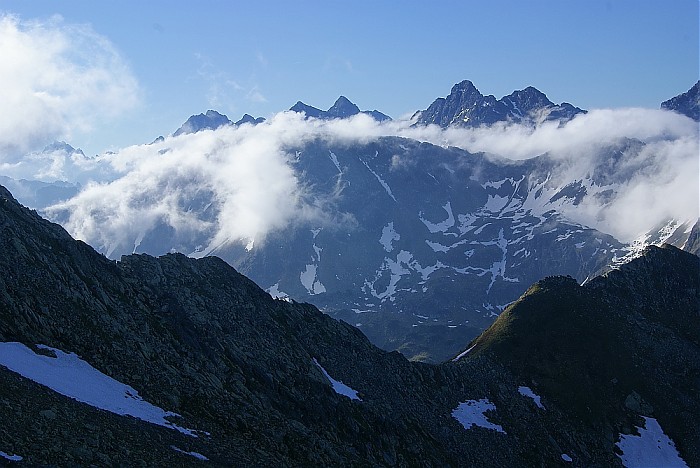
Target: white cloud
[[56, 79], [244, 172], [654, 183], [249, 175]]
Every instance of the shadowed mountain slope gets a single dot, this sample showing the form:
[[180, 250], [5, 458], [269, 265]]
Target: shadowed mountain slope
[[270, 383]]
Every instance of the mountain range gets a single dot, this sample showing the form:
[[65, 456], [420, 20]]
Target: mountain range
[[211, 120], [341, 109], [195, 364], [465, 106], [450, 237]]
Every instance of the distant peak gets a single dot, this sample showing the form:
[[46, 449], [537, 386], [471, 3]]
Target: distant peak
[[465, 84], [465, 106], [210, 120], [310, 111], [342, 100], [212, 114], [61, 146], [247, 118], [343, 107]]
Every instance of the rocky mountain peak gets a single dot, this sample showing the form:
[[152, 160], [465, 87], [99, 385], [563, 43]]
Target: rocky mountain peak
[[249, 119], [687, 103], [211, 120], [466, 106], [464, 88], [63, 147], [342, 108], [529, 99], [310, 111]]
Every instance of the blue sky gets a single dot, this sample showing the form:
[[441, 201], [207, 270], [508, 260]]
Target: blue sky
[[397, 57]]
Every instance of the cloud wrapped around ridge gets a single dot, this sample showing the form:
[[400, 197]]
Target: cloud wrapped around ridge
[[248, 174]]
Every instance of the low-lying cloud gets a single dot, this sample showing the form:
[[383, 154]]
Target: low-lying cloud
[[248, 174], [654, 182]]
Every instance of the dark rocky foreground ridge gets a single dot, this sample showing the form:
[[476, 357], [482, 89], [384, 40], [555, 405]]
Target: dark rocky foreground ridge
[[197, 338]]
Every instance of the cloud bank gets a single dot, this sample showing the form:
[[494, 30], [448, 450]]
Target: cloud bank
[[56, 79], [240, 184]]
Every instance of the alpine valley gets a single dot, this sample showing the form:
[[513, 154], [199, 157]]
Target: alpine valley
[[421, 293]]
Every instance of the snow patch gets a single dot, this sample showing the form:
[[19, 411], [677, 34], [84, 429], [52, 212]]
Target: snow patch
[[14, 458], [495, 203], [442, 226], [650, 448], [70, 376], [309, 281], [389, 235], [471, 413], [527, 391], [318, 251], [339, 387], [196, 455], [275, 292]]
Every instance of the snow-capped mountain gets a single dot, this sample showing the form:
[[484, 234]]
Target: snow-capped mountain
[[434, 241], [465, 106], [687, 103], [341, 109], [418, 245]]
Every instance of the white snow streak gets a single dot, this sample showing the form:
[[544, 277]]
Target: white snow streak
[[196, 455], [380, 180], [463, 353], [338, 386], [14, 458], [69, 375], [527, 391]]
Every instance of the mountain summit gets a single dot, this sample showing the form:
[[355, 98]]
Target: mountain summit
[[465, 106], [212, 120], [687, 103], [341, 109]]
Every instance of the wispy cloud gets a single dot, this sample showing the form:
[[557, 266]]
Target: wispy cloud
[[224, 92], [262, 60], [254, 95], [55, 79]]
